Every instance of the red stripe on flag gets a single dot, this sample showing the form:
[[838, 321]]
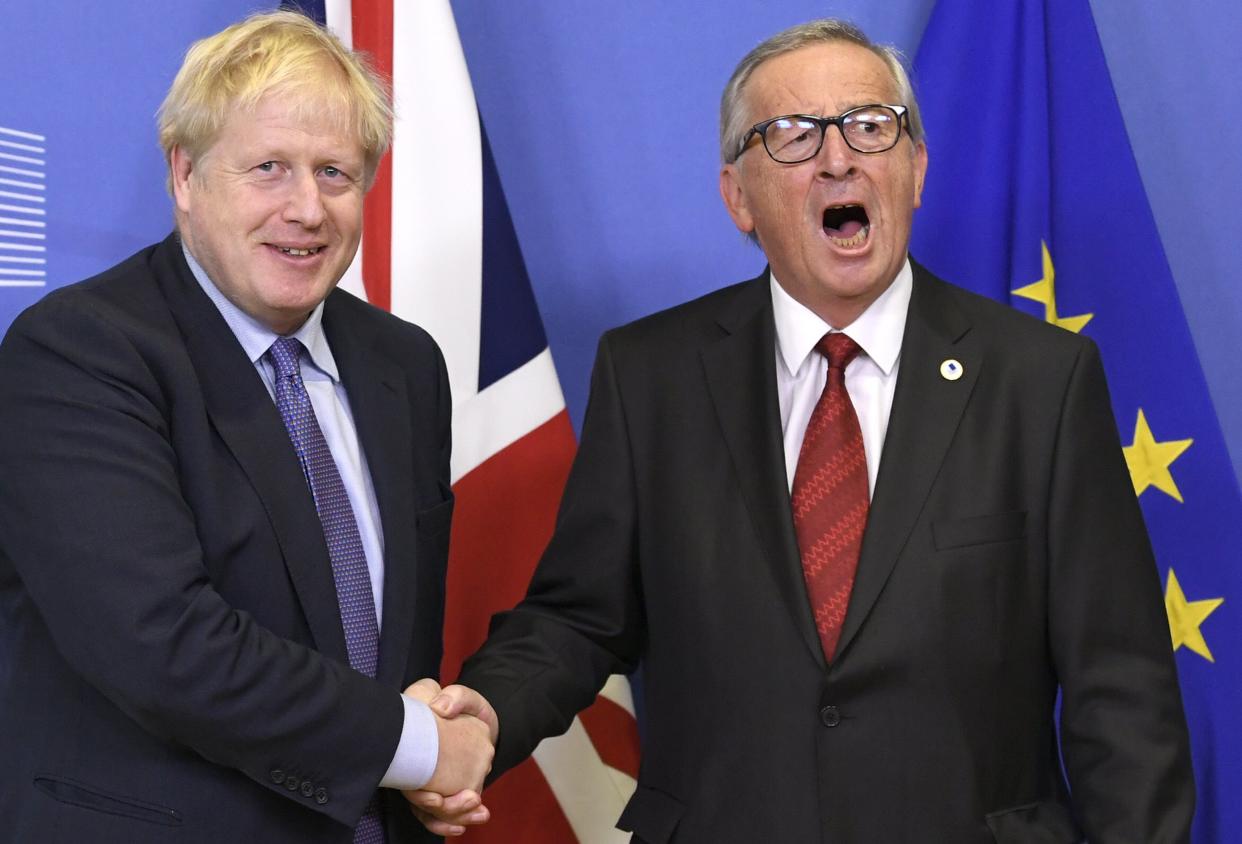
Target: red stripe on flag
[[503, 519], [614, 732], [372, 32]]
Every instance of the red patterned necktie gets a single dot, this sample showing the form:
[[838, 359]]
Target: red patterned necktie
[[829, 495]]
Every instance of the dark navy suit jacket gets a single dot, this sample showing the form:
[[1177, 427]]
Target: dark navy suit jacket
[[172, 664]]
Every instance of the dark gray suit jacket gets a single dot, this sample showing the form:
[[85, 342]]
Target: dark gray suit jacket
[[172, 664], [1004, 558]]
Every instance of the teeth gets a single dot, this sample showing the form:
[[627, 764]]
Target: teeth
[[851, 242], [301, 253]]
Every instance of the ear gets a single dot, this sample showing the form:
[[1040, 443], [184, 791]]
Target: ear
[[920, 171], [734, 196], [180, 167]]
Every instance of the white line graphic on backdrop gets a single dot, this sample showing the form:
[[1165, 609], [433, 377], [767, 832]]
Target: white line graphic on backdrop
[[21, 159], [18, 134], [18, 184], [24, 147], [22, 166], [19, 171]]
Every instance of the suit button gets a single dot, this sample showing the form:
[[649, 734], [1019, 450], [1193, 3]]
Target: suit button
[[321, 796], [292, 782], [830, 716], [308, 788], [278, 776]]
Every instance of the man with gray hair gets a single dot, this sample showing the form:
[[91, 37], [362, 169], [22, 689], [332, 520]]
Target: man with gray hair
[[856, 525], [226, 507]]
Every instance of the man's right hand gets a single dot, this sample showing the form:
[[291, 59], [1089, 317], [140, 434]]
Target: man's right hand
[[466, 744], [450, 815]]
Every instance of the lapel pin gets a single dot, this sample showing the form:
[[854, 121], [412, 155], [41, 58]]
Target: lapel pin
[[951, 370]]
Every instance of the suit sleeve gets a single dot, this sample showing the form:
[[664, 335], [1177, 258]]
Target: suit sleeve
[[95, 525], [1123, 731], [581, 620]]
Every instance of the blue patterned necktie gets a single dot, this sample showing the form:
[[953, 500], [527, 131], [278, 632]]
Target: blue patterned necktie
[[340, 532]]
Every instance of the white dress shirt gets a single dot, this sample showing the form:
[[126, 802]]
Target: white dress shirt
[[415, 759], [870, 378]]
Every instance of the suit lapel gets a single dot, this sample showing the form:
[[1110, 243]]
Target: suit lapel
[[244, 415], [380, 407], [925, 414], [741, 376]]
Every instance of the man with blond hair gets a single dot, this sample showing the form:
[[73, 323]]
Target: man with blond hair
[[224, 521]]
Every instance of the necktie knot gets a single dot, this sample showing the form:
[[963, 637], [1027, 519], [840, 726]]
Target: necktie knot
[[839, 349], [285, 354]]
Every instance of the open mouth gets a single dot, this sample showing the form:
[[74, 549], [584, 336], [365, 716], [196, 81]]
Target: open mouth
[[847, 226], [298, 253]]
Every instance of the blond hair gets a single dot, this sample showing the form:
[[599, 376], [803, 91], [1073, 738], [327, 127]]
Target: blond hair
[[274, 52]]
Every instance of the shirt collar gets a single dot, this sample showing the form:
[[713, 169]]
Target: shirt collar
[[878, 330], [255, 337]]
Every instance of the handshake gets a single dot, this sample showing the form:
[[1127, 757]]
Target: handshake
[[467, 726]]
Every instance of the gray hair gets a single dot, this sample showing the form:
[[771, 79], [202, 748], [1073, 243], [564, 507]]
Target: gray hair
[[735, 122]]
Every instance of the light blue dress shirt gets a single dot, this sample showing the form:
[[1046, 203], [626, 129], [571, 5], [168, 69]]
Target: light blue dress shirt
[[415, 759]]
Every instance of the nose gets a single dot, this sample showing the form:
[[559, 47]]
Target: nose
[[836, 160], [305, 202]]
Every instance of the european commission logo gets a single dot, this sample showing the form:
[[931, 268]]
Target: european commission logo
[[23, 209]]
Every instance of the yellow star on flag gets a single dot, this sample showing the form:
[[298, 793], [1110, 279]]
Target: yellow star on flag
[[1044, 292], [1149, 460], [1186, 616]]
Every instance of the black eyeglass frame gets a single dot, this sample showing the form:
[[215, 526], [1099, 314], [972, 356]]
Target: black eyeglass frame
[[761, 129]]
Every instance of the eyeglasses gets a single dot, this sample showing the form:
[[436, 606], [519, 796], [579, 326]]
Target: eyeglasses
[[794, 138]]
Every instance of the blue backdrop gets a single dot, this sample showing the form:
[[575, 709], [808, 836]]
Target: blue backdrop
[[613, 220], [614, 223]]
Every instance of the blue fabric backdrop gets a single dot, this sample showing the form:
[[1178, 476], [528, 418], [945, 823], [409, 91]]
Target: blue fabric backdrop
[[1036, 199], [614, 222]]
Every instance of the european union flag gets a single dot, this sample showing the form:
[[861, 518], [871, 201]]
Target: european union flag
[[1033, 196]]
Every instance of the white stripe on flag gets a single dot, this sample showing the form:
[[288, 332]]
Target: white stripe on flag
[[437, 189], [505, 412], [338, 14], [590, 793], [617, 690]]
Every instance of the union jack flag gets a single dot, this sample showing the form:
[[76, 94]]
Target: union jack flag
[[440, 250]]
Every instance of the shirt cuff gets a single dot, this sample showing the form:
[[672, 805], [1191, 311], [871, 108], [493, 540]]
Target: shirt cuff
[[417, 751]]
